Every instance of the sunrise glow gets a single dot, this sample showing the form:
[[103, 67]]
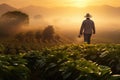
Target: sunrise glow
[[79, 3], [56, 3]]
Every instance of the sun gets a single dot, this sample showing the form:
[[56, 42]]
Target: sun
[[79, 3]]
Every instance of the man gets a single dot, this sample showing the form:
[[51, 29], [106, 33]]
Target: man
[[88, 28]]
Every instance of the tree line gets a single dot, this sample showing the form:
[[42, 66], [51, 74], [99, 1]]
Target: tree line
[[11, 22], [46, 35]]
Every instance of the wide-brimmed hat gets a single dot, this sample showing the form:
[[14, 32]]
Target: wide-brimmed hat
[[87, 15]]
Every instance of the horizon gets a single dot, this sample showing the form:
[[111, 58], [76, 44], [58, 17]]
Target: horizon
[[66, 3], [59, 6]]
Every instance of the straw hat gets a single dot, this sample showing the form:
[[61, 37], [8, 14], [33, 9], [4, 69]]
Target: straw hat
[[87, 15]]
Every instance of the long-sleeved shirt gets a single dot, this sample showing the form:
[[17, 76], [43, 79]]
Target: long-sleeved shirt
[[87, 27]]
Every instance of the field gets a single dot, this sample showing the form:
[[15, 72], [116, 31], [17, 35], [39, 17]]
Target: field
[[63, 62], [38, 43]]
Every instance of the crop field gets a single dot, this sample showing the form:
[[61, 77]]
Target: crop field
[[63, 62]]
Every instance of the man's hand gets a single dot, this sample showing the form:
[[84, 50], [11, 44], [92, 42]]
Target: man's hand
[[94, 32], [79, 35]]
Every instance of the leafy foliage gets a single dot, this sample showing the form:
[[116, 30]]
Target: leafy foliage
[[68, 62], [13, 68], [59, 63]]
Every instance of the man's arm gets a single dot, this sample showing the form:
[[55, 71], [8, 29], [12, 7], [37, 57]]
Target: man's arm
[[81, 29], [94, 31]]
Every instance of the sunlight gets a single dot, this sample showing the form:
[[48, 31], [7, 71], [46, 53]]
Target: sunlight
[[79, 3]]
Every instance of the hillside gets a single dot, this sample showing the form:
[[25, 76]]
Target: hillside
[[5, 8], [34, 10], [104, 10]]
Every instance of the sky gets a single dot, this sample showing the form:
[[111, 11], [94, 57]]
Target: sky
[[56, 3]]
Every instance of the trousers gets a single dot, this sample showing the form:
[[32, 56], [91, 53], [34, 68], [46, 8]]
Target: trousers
[[87, 38]]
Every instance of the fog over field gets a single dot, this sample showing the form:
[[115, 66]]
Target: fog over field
[[67, 20]]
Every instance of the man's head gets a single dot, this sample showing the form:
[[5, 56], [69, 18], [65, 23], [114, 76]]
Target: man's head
[[87, 16]]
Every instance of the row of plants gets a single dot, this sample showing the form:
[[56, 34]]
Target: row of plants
[[35, 67], [65, 62], [13, 68], [102, 54], [15, 47]]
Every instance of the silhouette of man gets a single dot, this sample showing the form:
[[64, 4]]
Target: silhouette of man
[[87, 28]]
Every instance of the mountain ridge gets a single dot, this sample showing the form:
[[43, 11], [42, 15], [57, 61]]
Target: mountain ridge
[[101, 10], [5, 8]]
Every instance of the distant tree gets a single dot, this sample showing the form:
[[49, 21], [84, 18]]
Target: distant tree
[[29, 36], [38, 36], [11, 21], [20, 37], [38, 17], [57, 38], [15, 17], [48, 33]]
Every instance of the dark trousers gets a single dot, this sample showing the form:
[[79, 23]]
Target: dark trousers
[[87, 38]]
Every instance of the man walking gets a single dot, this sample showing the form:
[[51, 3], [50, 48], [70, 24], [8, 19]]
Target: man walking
[[87, 28]]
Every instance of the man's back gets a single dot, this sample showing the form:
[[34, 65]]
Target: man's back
[[88, 27]]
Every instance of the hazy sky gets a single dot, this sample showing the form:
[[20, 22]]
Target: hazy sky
[[54, 3]]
